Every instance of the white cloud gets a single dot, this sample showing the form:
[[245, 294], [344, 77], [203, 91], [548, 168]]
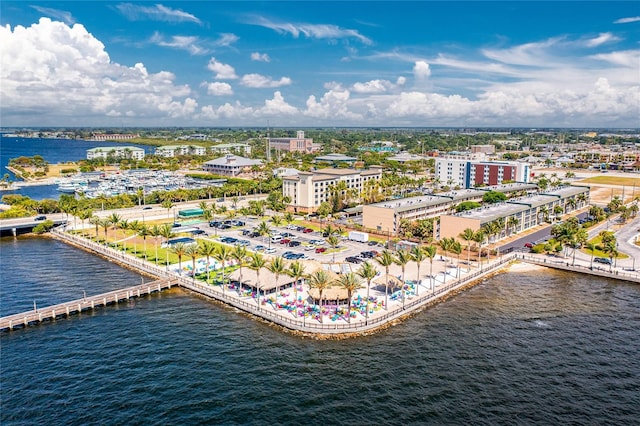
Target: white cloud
[[157, 12], [63, 75], [401, 81], [627, 20], [601, 39], [219, 89], [222, 71], [421, 70], [225, 40], [260, 57], [62, 15], [260, 81], [625, 58], [276, 107], [189, 43], [373, 86], [332, 105], [319, 31]]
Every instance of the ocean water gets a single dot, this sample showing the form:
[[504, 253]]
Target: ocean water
[[539, 347]]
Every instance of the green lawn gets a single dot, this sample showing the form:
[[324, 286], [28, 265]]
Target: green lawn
[[600, 253], [612, 180]]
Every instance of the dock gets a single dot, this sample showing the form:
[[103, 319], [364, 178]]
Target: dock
[[51, 313]]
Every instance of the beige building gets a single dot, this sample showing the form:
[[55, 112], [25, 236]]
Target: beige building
[[387, 215], [308, 190], [519, 214]]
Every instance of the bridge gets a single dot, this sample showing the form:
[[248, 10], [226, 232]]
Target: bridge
[[24, 225], [67, 309]]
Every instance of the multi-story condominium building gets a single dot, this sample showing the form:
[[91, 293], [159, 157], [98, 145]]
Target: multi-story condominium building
[[598, 158], [467, 172], [517, 214], [484, 149], [297, 144], [308, 190], [227, 148], [169, 151], [113, 136], [104, 152], [230, 165], [387, 215]]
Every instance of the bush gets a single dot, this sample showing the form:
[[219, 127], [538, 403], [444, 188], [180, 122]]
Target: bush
[[43, 227]]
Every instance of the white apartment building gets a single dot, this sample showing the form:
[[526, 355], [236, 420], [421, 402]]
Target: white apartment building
[[227, 148], [472, 171], [308, 190], [104, 152], [169, 151]]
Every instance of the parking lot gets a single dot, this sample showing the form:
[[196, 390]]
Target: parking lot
[[289, 241]]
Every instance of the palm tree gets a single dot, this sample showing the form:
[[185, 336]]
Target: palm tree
[[105, 223], [350, 282], [179, 249], [431, 252], [467, 235], [155, 231], [166, 231], [207, 249], [402, 258], [124, 225], [479, 237], [386, 259], [418, 255], [134, 225], [95, 220], [167, 203], [257, 262], [297, 272], [144, 232], [334, 242], [367, 272], [239, 254], [222, 255], [263, 229], [276, 267], [276, 220], [456, 248], [192, 251], [320, 280], [592, 248], [83, 215]]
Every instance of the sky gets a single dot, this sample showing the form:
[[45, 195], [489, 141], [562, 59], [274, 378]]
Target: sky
[[320, 64]]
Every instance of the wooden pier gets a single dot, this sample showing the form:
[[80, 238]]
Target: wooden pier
[[66, 309]]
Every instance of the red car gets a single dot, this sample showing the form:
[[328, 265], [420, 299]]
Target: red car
[[528, 245], [321, 250], [307, 230], [285, 241]]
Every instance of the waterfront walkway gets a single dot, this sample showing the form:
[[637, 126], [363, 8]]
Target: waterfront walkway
[[438, 289], [51, 313]]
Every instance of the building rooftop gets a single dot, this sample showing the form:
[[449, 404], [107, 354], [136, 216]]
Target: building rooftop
[[488, 214], [404, 156], [233, 160], [335, 157]]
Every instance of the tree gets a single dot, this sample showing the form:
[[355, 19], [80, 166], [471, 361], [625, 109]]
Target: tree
[[166, 231], [321, 281], [263, 229], [276, 267], [192, 251], [478, 237], [144, 232], [431, 252], [134, 226], [179, 249], [493, 197], [276, 220], [418, 255], [467, 235], [207, 249], [155, 231], [334, 242], [386, 259], [402, 258], [297, 272], [592, 248], [350, 282], [167, 203], [95, 221], [256, 263], [239, 254], [105, 223], [456, 248], [222, 255], [367, 272], [83, 215]]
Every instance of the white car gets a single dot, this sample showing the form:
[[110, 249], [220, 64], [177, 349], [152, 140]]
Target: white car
[[270, 250], [308, 248]]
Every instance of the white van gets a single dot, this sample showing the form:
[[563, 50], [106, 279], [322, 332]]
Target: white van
[[276, 238]]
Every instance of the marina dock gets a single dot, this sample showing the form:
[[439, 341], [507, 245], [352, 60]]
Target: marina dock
[[51, 313]]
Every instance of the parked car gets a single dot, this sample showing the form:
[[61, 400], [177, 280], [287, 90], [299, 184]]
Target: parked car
[[270, 250], [176, 225], [294, 243], [237, 223], [147, 208], [300, 228], [373, 243], [353, 259], [320, 250], [215, 224], [243, 243], [367, 254], [224, 226], [528, 245], [307, 230], [198, 232], [285, 241], [39, 218], [291, 226], [318, 242], [604, 260], [310, 247], [260, 247]]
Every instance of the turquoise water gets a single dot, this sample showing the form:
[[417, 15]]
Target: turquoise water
[[520, 348]]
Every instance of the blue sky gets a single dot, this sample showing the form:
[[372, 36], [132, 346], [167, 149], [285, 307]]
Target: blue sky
[[304, 63]]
